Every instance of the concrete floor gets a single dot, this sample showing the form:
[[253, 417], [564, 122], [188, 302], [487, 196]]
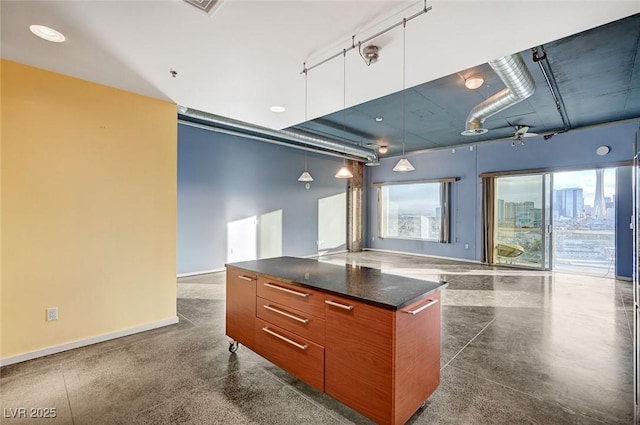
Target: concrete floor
[[518, 347]]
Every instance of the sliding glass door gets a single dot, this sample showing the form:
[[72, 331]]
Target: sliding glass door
[[521, 221]]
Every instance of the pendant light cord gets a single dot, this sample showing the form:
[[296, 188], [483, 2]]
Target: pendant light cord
[[306, 78], [344, 102], [404, 72], [306, 101]]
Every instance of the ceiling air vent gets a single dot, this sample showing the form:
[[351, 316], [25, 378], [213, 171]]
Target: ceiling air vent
[[205, 6]]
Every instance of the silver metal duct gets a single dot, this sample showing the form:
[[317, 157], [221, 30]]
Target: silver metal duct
[[294, 139], [520, 85]]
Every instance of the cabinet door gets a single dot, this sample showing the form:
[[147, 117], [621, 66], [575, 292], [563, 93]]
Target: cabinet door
[[358, 357], [417, 359], [241, 306]]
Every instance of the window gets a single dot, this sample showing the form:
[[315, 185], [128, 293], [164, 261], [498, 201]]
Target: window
[[415, 210]]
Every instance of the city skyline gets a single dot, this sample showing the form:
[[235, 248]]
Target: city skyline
[[519, 188]]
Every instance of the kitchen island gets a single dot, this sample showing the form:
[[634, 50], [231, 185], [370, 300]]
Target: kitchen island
[[368, 339]]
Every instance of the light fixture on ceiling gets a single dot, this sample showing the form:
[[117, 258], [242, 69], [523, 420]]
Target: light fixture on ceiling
[[383, 149], [305, 176], [370, 54], [404, 165], [473, 82], [277, 109], [603, 150], [379, 118], [47, 33], [344, 172]]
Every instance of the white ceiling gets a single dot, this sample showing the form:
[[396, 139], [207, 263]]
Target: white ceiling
[[247, 55]]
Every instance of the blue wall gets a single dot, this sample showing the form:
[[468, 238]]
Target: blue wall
[[573, 149], [432, 165], [223, 178]]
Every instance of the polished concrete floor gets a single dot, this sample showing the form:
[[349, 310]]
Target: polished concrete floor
[[517, 348]]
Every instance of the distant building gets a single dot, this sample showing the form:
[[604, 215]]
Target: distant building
[[599, 205], [568, 203]]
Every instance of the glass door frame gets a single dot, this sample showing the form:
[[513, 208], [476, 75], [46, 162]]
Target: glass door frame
[[546, 226]]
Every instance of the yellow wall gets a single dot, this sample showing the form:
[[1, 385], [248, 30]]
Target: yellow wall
[[88, 209]]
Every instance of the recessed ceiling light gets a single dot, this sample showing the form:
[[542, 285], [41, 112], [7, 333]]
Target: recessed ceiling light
[[383, 149], [473, 82], [379, 119], [277, 109], [47, 33]]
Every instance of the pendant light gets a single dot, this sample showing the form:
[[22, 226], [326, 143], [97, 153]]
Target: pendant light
[[404, 165], [305, 176], [344, 172]]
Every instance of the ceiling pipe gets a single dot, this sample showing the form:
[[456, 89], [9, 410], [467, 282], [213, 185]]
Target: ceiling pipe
[[292, 138], [520, 85]]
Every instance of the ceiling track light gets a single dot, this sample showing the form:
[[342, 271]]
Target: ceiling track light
[[358, 45], [369, 54], [404, 165]]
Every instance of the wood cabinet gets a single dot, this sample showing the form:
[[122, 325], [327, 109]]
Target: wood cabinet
[[359, 361], [240, 315], [382, 362]]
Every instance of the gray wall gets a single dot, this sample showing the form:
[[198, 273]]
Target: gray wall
[[223, 178], [573, 149]]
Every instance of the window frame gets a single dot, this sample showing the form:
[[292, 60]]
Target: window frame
[[445, 208]]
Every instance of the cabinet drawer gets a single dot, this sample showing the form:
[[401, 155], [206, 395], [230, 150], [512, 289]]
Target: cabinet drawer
[[298, 322], [297, 297], [300, 357]]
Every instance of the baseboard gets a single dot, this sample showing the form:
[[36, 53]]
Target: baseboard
[[89, 341], [200, 272], [424, 255], [326, 253]]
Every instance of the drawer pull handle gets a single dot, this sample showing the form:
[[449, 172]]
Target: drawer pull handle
[[289, 291], [285, 339], [335, 304], [424, 307], [247, 278], [284, 313]]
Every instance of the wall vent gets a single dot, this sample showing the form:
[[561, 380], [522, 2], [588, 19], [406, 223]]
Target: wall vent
[[205, 6]]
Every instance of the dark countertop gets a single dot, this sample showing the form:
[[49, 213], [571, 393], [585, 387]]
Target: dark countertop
[[364, 284]]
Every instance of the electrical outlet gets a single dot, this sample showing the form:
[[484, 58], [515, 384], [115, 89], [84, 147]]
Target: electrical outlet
[[52, 314]]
